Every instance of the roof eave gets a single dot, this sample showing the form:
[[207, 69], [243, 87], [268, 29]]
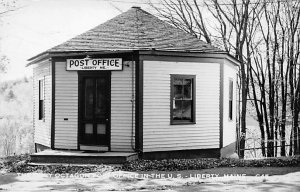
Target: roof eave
[[46, 55], [157, 52], [38, 58], [191, 53]]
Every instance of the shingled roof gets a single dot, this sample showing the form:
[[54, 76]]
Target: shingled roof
[[134, 29]]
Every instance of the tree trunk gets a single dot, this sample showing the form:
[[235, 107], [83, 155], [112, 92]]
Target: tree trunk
[[295, 130], [243, 110], [282, 138], [291, 143], [263, 137]]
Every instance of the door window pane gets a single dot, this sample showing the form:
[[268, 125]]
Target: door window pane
[[89, 98], [89, 128], [101, 100], [101, 128]]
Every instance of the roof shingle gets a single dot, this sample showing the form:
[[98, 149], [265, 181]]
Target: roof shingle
[[134, 29]]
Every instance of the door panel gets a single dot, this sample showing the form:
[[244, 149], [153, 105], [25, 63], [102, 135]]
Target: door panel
[[88, 98], [95, 110]]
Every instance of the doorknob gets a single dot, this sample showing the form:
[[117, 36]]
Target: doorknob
[[106, 119]]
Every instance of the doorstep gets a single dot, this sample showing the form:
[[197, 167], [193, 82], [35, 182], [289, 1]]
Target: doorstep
[[82, 157]]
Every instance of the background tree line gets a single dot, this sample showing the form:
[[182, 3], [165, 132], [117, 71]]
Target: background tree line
[[264, 36]]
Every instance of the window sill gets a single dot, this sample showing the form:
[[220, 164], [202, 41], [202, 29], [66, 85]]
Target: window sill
[[182, 123]]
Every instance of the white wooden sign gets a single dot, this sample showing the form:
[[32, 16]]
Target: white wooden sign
[[112, 64]]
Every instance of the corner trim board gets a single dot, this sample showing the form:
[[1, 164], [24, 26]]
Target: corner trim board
[[53, 105], [139, 83], [221, 102]]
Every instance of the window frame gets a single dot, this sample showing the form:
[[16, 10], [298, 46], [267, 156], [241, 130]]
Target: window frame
[[193, 110], [230, 98], [41, 100]]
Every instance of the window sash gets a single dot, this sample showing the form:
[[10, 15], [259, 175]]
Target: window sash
[[230, 99], [183, 95], [41, 99], [41, 90]]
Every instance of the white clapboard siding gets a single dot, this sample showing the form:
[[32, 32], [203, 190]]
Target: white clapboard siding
[[42, 128], [66, 106], [122, 118], [229, 126], [158, 134]]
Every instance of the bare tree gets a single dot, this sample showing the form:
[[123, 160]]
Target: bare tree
[[232, 18], [264, 77], [185, 15], [275, 74], [236, 20], [292, 14]]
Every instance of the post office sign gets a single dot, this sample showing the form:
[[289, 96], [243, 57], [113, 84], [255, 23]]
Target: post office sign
[[112, 64]]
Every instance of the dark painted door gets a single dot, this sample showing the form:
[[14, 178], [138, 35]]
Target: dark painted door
[[95, 110]]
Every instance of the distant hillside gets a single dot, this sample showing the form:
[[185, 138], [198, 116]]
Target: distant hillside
[[16, 130]]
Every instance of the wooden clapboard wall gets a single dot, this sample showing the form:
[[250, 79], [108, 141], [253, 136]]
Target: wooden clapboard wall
[[158, 134], [122, 92], [229, 126], [42, 128], [66, 106]]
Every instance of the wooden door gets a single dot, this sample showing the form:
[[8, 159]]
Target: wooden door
[[95, 110]]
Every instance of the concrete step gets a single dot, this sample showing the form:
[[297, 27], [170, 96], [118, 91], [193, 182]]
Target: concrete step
[[81, 157]]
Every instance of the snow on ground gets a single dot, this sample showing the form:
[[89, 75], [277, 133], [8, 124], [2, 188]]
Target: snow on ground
[[129, 181]]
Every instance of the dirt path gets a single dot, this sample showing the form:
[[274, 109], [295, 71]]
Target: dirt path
[[219, 179]]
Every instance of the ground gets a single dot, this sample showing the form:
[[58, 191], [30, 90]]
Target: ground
[[217, 179]]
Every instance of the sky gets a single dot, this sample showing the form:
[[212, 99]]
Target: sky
[[38, 25]]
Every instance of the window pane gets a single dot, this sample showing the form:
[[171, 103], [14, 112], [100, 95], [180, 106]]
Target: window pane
[[177, 110], [41, 89], [230, 98], [186, 110], [41, 109], [89, 128], [178, 81], [89, 97], [187, 88], [230, 110], [178, 92], [101, 128], [230, 90]]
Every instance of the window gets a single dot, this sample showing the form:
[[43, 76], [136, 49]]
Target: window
[[41, 99], [182, 99], [230, 99]]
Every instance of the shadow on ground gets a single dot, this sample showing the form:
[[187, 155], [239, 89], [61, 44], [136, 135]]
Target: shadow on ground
[[8, 178]]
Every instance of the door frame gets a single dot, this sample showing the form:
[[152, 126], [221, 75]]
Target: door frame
[[81, 75]]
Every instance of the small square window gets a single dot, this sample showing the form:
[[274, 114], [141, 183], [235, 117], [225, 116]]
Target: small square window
[[182, 99]]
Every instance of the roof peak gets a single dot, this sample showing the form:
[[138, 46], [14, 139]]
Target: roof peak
[[136, 7], [134, 29]]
